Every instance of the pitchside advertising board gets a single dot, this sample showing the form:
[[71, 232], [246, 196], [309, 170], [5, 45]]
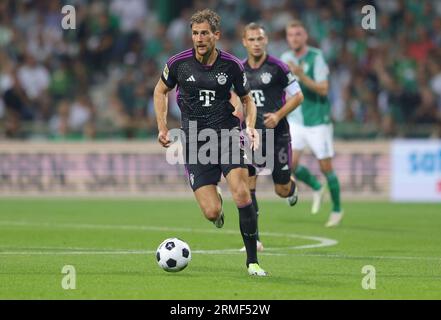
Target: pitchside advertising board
[[140, 169], [416, 170]]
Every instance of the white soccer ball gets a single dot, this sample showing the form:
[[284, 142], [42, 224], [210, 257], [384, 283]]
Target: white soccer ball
[[173, 255]]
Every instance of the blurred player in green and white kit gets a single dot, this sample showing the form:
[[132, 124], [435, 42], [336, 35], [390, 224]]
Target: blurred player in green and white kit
[[310, 124]]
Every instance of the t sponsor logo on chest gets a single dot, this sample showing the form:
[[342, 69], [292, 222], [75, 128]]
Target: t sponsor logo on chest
[[207, 96]]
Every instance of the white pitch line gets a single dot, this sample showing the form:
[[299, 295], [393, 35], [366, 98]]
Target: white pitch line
[[68, 253], [128, 252], [322, 242]]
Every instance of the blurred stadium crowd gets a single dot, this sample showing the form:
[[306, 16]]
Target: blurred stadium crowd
[[97, 81]]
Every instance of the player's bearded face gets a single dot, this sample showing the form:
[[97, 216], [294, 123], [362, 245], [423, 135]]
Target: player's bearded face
[[297, 38], [204, 40]]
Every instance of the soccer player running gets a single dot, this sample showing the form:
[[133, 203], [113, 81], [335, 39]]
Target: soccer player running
[[204, 76], [270, 81], [310, 124]]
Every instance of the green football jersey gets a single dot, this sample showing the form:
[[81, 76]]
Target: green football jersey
[[315, 109]]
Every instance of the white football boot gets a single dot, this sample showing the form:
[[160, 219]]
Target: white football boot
[[317, 198], [255, 270], [334, 219]]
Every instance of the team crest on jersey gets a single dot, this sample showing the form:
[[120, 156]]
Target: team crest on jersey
[[266, 77], [165, 72], [192, 178], [221, 78], [244, 79]]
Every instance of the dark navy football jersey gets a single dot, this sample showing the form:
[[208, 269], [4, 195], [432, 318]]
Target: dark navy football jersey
[[268, 83], [203, 92]]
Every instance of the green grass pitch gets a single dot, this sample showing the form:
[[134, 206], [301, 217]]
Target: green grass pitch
[[111, 245]]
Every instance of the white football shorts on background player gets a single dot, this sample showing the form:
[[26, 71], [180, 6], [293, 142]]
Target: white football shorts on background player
[[319, 139]]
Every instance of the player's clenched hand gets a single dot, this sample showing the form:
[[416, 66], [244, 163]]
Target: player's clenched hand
[[163, 138], [271, 120], [253, 135]]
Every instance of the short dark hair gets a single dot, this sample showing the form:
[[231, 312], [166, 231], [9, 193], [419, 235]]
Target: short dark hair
[[209, 16], [252, 26]]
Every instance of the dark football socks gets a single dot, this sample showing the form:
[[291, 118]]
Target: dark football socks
[[256, 207], [248, 229]]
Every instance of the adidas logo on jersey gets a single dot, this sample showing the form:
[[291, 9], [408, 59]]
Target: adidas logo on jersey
[[285, 168], [191, 79]]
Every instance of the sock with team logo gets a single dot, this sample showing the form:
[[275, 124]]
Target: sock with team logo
[[334, 190], [248, 229], [303, 174]]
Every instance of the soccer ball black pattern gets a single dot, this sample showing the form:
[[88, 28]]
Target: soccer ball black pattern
[[173, 255], [170, 245]]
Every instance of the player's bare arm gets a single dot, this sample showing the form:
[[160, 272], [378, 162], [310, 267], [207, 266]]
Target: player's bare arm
[[320, 88], [160, 98], [272, 118], [235, 102], [250, 111]]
